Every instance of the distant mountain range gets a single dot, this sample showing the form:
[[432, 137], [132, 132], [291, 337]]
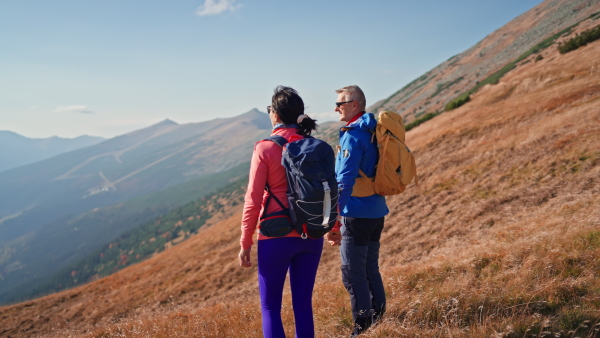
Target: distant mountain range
[[17, 150], [57, 210]]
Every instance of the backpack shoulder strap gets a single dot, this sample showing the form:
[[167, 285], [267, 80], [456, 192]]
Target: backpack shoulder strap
[[362, 174], [279, 140], [269, 199]]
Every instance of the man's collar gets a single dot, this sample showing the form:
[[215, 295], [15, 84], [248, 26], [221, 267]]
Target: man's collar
[[356, 117]]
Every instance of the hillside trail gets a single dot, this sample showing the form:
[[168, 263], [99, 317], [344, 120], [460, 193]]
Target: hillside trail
[[115, 154]]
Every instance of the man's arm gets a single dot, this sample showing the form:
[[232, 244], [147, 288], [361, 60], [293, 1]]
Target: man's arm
[[350, 156]]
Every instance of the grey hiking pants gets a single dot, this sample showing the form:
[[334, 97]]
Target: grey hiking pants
[[359, 254]]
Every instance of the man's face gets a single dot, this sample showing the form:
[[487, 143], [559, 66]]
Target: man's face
[[347, 110]]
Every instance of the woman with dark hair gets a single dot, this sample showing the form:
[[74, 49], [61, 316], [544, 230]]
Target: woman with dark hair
[[289, 252]]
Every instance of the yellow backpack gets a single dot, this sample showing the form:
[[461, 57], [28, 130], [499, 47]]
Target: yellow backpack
[[396, 166]]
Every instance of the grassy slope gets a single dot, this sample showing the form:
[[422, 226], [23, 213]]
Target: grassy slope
[[501, 236]]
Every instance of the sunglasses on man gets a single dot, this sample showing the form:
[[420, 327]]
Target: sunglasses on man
[[339, 104]]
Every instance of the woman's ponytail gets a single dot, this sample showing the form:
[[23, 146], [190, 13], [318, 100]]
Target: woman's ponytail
[[306, 125]]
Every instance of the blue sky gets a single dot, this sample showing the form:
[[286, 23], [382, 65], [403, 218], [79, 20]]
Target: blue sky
[[104, 68]]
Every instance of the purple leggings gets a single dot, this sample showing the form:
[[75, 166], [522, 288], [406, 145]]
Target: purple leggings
[[275, 257]]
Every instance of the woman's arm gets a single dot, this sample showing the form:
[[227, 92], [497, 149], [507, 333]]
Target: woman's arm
[[254, 195]]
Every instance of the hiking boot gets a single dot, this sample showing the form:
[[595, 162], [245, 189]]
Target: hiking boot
[[377, 316], [360, 325], [357, 330]]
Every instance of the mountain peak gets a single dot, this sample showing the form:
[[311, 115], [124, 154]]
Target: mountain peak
[[167, 122], [256, 117], [253, 111]]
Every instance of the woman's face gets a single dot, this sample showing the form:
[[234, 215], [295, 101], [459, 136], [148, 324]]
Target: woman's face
[[273, 116]]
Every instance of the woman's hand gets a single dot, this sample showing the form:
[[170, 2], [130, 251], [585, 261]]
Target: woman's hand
[[244, 257], [334, 237]]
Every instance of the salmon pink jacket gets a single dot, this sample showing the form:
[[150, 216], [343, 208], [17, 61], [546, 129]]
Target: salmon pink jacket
[[266, 168]]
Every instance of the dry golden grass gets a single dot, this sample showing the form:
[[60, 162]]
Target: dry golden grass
[[501, 238]]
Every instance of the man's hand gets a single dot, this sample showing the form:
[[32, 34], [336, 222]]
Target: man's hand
[[244, 257], [334, 237]]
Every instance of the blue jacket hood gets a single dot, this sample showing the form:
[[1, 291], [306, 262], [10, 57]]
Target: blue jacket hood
[[367, 122]]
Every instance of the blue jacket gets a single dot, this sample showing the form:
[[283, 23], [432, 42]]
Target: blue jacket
[[356, 151]]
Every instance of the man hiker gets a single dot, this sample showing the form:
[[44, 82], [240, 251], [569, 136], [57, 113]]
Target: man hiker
[[361, 215]]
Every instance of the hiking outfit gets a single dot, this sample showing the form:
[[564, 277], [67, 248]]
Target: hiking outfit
[[277, 256], [362, 221]]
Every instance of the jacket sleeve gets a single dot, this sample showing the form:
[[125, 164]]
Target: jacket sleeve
[[254, 195], [349, 158]]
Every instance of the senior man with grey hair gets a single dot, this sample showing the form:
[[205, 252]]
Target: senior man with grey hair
[[361, 216]]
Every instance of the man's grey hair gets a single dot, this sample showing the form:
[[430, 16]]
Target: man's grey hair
[[354, 93]]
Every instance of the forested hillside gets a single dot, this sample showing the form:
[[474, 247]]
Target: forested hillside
[[147, 239]]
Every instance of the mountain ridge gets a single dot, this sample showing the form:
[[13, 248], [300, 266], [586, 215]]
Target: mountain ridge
[[17, 150]]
